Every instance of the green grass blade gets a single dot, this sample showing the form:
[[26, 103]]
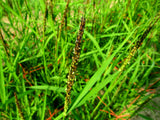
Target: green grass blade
[[2, 81], [47, 87], [44, 106]]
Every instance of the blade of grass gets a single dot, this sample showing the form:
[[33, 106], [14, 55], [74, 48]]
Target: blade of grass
[[44, 105], [47, 87], [95, 43], [2, 81], [97, 88], [26, 101]]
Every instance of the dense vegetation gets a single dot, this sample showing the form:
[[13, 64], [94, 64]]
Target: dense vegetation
[[117, 72]]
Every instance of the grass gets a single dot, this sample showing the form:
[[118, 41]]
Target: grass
[[118, 69]]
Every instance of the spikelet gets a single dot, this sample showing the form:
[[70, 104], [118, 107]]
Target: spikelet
[[18, 106], [63, 18], [61, 26], [139, 42], [45, 16], [51, 9], [72, 71]]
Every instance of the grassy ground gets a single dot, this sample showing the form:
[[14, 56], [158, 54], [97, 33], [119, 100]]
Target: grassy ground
[[116, 75], [150, 111]]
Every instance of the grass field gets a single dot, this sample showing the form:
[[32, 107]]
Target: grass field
[[78, 59]]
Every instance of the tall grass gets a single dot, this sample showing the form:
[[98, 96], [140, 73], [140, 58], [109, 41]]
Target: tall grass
[[118, 70]]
